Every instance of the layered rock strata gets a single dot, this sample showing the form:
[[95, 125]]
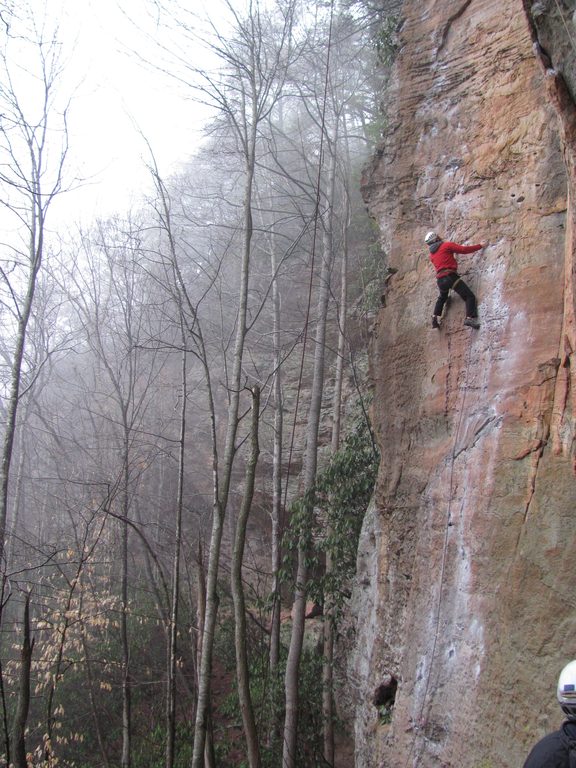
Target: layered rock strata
[[466, 586]]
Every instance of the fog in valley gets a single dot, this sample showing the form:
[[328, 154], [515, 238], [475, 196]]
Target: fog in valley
[[186, 450]]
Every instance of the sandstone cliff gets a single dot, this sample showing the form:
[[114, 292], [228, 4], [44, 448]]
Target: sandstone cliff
[[467, 587]]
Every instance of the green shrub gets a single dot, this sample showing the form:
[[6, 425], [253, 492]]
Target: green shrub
[[328, 520], [386, 43]]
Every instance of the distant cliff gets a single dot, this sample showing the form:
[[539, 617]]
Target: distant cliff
[[466, 589]]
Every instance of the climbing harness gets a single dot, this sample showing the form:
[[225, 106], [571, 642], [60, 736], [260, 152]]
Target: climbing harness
[[454, 284]]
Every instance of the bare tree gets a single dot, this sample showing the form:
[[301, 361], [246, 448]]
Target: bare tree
[[276, 511], [242, 664], [175, 597], [110, 298], [327, 104], [310, 466], [21, 717], [253, 62], [311, 451], [31, 176], [328, 656]]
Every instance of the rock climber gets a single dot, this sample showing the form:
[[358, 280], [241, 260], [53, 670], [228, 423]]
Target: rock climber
[[558, 749], [442, 257]]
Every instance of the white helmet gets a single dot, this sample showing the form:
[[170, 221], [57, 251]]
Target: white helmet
[[431, 237], [567, 690]]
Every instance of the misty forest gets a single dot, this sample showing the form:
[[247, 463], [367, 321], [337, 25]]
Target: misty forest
[[187, 454]]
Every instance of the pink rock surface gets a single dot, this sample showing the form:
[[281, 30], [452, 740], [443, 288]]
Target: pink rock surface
[[467, 585]]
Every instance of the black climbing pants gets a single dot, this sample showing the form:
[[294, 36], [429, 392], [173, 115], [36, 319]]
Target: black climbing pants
[[454, 281]]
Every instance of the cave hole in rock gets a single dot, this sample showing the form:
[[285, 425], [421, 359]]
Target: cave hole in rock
[[384, 698]]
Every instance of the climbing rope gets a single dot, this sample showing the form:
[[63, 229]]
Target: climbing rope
[[426, 702], [438, 611], [573, 44]]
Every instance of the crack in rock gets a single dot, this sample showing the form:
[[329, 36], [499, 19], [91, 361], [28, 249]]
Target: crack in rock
[[455, 16]]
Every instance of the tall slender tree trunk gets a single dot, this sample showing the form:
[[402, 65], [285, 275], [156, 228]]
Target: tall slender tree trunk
[[125, 641], [309, 472], [221, 493], [173, 624], [23, 705], [19, 496], [201, 613], [200, 607], [93, 706], [5, 726], [276, 513], [242, 664], [329, 618], [36, 249], [203, 750], [28, 175]]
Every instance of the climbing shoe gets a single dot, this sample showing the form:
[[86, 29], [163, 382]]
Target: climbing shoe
[[472, 322], [435, 321]]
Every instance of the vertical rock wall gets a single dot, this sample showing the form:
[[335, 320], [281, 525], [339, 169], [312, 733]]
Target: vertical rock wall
[[466, 588]]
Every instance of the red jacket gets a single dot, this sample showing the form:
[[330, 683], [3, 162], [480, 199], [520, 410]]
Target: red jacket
[[444, 260]]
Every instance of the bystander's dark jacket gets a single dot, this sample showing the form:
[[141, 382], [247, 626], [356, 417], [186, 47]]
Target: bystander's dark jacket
[[556, 750]]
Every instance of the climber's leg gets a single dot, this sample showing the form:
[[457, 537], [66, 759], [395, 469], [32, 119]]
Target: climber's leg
[[444, 285], [468, 296]]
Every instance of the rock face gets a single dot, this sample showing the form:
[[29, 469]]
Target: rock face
[[466, 585]]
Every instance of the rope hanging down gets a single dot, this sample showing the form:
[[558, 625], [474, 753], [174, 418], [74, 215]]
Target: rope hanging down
[[444, 549]]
